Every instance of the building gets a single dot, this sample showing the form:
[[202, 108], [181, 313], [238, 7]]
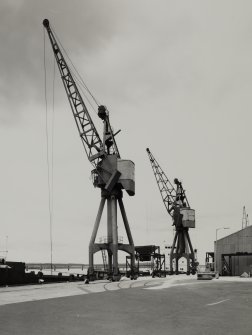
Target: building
[[234, 253]]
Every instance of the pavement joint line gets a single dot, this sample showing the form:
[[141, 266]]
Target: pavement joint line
[[135, 284], [119, 286], [105, 288], [154, 283], [84, 289]]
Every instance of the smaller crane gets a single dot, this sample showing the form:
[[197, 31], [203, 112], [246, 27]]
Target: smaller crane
[[183, 217]]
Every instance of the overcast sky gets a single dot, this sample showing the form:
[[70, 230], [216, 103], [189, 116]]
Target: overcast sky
[[176, 77]]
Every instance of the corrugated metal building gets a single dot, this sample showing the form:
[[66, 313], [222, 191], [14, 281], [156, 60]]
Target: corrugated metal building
[[234, 253]]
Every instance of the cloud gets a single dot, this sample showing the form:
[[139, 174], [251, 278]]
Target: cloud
[[176, 77], [186, 50], [82, 24]]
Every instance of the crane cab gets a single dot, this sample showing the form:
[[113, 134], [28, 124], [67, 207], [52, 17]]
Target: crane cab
[[113, 171]]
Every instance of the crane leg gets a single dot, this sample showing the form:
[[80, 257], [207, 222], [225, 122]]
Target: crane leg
[[114, 236], [192, 254], [176, 267], [127, 228], [109, 235], [172, 252], [93, 236]]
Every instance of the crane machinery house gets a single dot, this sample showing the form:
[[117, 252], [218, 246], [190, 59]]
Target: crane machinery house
[[188, 219], [113, 170]]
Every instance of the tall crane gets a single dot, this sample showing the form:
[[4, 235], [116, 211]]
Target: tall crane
[[183, 217], [110, 173]]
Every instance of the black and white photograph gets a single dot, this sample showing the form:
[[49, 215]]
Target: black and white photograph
[[125, 167]]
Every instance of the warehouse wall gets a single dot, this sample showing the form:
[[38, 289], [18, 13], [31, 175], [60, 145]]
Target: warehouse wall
[[238, 242]]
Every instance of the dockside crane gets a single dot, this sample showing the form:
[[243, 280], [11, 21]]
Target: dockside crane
[[183, 217], [110, 173]]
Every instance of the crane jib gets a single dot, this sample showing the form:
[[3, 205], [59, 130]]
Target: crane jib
[[87, 130]]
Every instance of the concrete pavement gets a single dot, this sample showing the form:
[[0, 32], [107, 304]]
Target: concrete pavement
[[174, 305], [17, 294]]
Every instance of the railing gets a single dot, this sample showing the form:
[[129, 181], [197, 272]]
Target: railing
[[106, 239], [73, 266]]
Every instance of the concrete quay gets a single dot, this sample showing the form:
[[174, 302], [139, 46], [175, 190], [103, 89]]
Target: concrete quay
[[172, 305]]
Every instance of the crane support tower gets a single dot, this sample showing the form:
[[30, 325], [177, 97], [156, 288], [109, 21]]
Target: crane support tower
[[183, 217], [110, 173]]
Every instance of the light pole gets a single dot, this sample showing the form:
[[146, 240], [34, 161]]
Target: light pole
[[215, 255]]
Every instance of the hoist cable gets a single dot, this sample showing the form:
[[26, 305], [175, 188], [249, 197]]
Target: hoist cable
[[47, 155], [76, 71], [77, 77], [82, 91], [52, 147]]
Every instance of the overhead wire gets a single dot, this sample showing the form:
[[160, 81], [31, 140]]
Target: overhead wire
[[83, 92], [74, 70], [82, 86], [79, 80], [49, 175], [52, 159]]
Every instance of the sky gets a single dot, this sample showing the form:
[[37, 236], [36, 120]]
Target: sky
[[176, 77]]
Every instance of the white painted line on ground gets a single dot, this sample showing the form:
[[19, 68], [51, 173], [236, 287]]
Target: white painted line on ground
[[169, 284], [218, 302]]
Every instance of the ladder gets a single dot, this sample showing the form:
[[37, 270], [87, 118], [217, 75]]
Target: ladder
[[104, 258]]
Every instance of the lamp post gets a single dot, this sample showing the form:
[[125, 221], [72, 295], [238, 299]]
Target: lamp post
[[215, 255]]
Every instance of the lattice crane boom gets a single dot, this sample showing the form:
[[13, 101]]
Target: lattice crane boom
[[171, 198], [167, 191], [93, 145], [183, 217]]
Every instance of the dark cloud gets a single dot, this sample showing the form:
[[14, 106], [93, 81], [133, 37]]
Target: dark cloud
[[151, 50], [81, 24]]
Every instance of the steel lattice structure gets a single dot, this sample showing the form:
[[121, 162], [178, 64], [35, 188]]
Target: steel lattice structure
[[170, 196], [111, 174], [94, 146], [178, 207]]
